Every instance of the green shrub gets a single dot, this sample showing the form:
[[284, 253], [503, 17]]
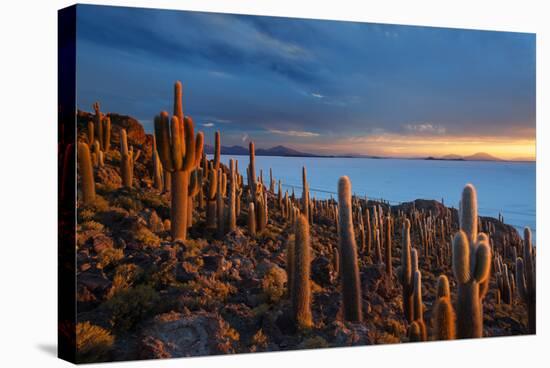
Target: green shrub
[[93, 343], [130, 306]]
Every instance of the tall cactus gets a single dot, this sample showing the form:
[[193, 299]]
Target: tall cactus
[[305, 193], [418, 306], [157, 168], [301, 293], [106, 133], [251, 219], [389, 272], [471, 267], [252, 171], [349, 266], [98, 124], [231, 207], [126, 161], [91, 137], [406, 272], [217, 150], [443, 316], [211, 193], [526, 280], [87, 183], [179, 152]]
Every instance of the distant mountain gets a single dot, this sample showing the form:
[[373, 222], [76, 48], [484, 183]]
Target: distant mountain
[[273, 151], [232, 150], [452, 157], [481, 156], [282, 151]]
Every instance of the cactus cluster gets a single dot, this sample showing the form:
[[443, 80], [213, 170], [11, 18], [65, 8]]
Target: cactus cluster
[[526, 280]]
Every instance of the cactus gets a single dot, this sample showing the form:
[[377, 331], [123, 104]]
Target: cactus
[[252, 171], [388, 249], [98, 125], [406, 271], [231, 208], [157, 168], [418, 306], [526, 280], [211, 192], [305, 194], [349, 267], [471, 267], [261, 210], [443, 316], [126, 161], [179, 154], [251, 220], [220, 205], [217, 150], [301, 289], [414, 332], [91, 138], [106, 133], [87, 182]]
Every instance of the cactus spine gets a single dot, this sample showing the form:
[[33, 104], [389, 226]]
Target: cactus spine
[[126, 161], [231, 208], [87, 182], [349, 267], [526, 280], [301, 293]]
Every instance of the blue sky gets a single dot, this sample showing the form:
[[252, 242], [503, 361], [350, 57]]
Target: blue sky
[[316, 85]]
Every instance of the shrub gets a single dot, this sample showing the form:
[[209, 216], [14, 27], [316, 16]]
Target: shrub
[[147, 237], [93, 343], [92, 225], [128, 203], [273, 283], [110, 256], [128, 307], [126, 276]]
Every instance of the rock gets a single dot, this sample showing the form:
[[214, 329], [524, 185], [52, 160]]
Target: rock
[[101, 242], [109, 176], [215, 263], [186, 272], [92, 285], [321, 270], [349, 334], [173, 335]]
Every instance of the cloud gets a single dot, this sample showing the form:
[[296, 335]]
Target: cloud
[[208, 125], [294, 133], [425, 128], [244, 137], [318, 95]]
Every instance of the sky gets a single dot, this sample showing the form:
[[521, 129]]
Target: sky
[[326, 87]]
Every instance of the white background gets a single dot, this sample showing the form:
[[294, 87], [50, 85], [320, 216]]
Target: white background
[[28, 207]]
